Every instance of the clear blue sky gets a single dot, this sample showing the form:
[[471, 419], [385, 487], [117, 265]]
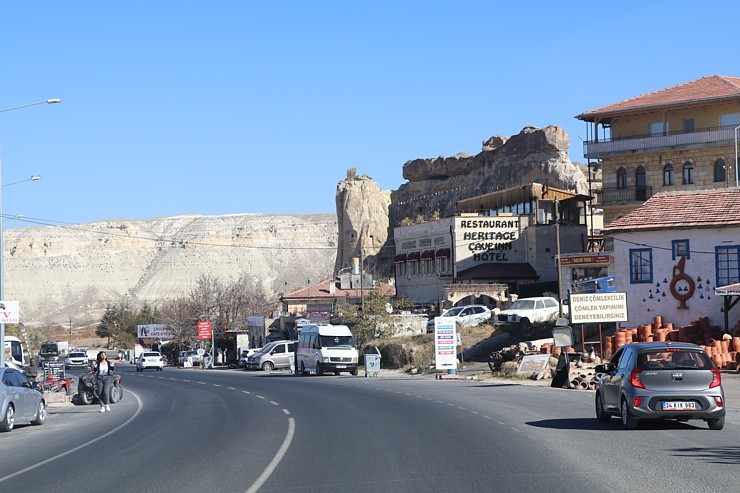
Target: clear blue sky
[[221, 107]]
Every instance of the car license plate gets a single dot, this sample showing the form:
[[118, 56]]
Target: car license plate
[[341, 366], [678, 406]]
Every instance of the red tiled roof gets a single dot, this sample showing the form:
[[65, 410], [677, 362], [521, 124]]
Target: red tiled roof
[[699, 209], [708, 88], [322, 290]]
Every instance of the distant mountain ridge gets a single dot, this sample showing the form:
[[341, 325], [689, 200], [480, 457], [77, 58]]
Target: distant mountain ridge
[[72, 272]]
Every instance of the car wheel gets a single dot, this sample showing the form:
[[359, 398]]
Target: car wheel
[[354, 372], [319, 370], [525, 324], [629, 421], [8, 420], [40, 414], [716, 423], [268, 366], [600, 413]]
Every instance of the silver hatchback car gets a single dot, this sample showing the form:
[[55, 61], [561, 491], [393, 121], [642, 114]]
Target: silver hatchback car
[[660, 380]]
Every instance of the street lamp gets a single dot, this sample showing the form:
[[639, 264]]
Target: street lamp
[[2, 242]]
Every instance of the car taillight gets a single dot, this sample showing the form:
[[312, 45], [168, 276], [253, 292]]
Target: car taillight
[[718, 401], [635, 379], [716, 378], [637, 402]]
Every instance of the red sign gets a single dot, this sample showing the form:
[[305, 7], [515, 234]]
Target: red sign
[[204, 330], [585, 259]]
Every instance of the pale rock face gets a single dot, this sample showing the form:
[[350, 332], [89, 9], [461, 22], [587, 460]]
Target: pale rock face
[[58, 273], [362, 209]]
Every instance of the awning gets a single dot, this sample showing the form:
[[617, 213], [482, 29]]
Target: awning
[[414, 256], [427, 254], [442, 253], [499, 272], [401, 257], [731, 296]]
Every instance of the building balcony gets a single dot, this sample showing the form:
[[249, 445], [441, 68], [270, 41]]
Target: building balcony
[[614, 196], [708, 137]]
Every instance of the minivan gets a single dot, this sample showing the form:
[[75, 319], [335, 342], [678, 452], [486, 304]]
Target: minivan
[[272, 356]]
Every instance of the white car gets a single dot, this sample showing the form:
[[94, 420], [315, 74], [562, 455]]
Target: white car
[[465, 316], [150, 359], [528, 311], [76, 358]]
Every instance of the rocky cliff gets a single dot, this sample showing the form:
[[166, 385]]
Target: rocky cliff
[[58, 273]]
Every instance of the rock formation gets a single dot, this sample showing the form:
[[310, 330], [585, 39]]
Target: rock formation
[[73, 272]]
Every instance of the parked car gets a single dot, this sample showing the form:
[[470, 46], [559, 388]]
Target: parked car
[[272, 356], [246, 353], [150, 359], [195, 358], [76, 359], [465, 316], [660, 380], [20, 401], [528, 311]]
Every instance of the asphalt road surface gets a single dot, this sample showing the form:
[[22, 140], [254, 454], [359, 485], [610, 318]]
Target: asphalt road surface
[[189, 430]]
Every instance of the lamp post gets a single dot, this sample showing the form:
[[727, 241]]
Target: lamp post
[[2, 242]]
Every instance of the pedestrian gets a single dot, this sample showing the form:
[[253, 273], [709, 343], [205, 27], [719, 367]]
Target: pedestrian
[[103, 375], [31, 371]]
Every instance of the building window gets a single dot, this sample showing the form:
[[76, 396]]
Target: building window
[[688, 125], [688, 173], [621, 178], [641, 266], [640, 180], [720, 170], [668, 174], [728, 265], [657, 128], [681, 249]]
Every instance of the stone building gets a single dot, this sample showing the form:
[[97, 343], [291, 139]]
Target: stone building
[[676, 139], [672, 252], [498, 244]]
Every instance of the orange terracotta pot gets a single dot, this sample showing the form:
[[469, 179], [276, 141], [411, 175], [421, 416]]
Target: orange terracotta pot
[[736, 343], [657, 322]]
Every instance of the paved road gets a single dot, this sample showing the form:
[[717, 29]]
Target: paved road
[[193, 430]]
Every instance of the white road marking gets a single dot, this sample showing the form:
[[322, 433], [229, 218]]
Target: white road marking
[[275, 460]]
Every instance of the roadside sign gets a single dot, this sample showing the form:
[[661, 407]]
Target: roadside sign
[[598, 307], [445, 338], [204, 330], [9, 312]]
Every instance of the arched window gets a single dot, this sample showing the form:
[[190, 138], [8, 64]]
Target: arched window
[[688, 173], [640, 180], [720, 170], [621, 178], [668, 174]]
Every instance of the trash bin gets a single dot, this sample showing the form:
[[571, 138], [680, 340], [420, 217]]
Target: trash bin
[[372, 364]]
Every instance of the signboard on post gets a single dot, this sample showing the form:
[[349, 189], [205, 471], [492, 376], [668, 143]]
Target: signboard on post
[[204, 330], [9, 312], [445, 343], [598, 307], [155, 331]]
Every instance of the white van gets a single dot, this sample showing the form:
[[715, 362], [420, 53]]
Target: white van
[[323, 348]]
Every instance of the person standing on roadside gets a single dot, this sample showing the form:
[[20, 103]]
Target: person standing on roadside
[[31, 371], [103, 375]]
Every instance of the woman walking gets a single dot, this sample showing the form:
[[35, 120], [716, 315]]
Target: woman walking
[[103, 373]]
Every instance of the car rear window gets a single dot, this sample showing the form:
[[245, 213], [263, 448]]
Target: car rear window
[[674, 358], [155, 355]]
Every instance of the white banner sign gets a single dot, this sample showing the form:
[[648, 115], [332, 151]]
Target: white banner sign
[[155, 331], [598, 307], [445, 343], [9, 312]]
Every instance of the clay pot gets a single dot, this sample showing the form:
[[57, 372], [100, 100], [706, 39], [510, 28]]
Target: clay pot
[[661, 335], [657, 322], [717, 360]]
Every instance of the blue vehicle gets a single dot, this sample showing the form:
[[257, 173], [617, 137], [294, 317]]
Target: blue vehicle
[[599, 285]]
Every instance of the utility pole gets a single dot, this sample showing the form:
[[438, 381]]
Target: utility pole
[[557, 257]]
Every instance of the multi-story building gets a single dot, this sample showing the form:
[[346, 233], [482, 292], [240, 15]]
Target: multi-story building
[[681, 138], [500, 243]]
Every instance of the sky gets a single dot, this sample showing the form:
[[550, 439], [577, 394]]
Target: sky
[[230, 107]]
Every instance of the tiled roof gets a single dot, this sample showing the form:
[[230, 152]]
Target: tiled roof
[[698, 209], [704, 89]]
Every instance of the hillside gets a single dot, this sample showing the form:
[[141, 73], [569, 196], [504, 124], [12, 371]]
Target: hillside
[[68, 272]]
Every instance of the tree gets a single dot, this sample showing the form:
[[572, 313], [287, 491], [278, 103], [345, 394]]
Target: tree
[[375, 323]]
